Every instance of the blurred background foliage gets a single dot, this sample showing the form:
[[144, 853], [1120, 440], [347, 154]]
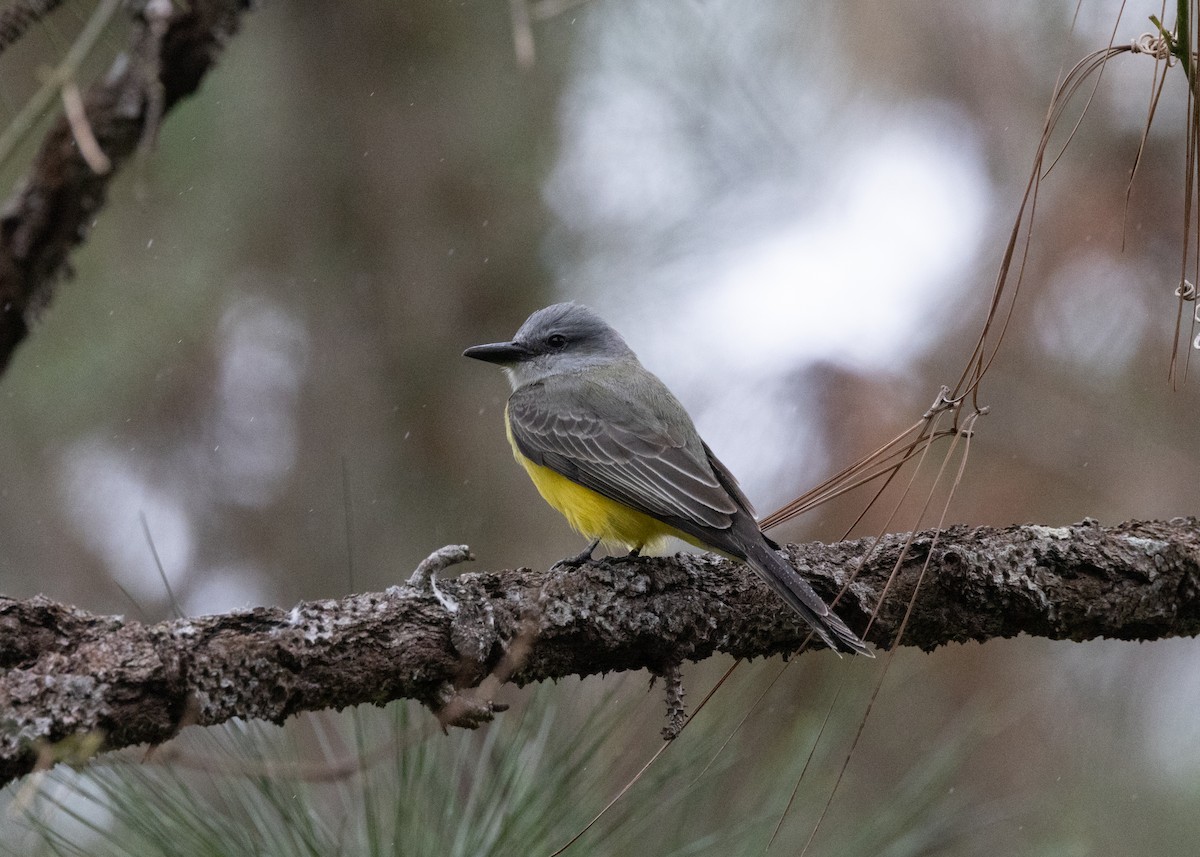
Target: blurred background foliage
[[794, 211]]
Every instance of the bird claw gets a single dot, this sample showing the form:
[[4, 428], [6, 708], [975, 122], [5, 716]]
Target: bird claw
[[578, 559]]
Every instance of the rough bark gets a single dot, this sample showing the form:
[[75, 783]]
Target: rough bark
[[172, 47], [66, 672]]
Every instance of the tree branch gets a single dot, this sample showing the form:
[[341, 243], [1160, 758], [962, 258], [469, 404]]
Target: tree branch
[[66, 672], [173, 46], [19, 16]]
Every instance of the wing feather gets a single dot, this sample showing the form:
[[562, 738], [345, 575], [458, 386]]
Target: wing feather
[[641, 451]]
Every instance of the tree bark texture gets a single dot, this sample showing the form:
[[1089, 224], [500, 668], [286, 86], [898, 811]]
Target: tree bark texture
[[64, 672], [173, 46]]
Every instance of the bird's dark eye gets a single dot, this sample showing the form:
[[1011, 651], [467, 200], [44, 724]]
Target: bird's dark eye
[[556, 341]]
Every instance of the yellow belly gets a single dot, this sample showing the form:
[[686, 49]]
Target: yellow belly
[[592, 514]]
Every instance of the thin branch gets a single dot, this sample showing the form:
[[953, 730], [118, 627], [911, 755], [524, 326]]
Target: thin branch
[[171, 49]]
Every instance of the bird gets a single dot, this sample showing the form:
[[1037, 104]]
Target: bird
[[610, 447]]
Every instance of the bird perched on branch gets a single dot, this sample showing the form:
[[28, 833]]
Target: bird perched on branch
[[609, 446]]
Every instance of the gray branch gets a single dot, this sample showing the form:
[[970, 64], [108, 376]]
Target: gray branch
[[172, 46], [69, 673]]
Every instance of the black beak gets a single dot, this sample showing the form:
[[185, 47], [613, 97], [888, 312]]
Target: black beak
[[498, 352]]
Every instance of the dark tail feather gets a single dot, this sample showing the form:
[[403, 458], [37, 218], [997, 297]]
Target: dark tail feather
[[794, 589]]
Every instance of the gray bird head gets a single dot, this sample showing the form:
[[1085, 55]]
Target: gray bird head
[[558, 339]]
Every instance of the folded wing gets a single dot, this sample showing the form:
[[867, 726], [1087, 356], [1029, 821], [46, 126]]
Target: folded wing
[[641, 451]]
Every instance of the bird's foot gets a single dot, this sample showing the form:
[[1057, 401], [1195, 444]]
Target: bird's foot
[[578, 559]]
